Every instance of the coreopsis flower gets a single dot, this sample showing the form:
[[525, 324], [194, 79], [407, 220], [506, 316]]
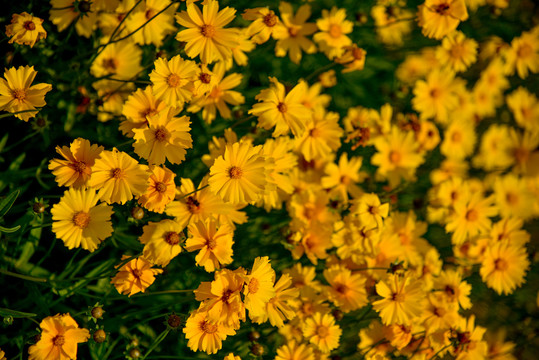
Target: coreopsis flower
[[322, 331], [280, 307], [220, 95], [204, 335], [135, 276], [468, 340], [494, 150], [172, 80], [453, 289], [214, 242], [428, 135], [137, 107], [498, 347], [79, 222], [523, 55], [341, 179], [84, 13], [279, 109], [513, 197], [510, 230], [239, 176], [321, 136], [161, 189], [392, 21], [439, 314], [244, 45], [459, 139], [161, 241], [435, 97], [25, 29], [525, 108], [119, 60], [60, 335], [333, 28], [457, 52], [16, 94], [346, 290], [353, 58], [76, 167], [402, 299], [259, 287], [291, 34], [204, 80], [166, 138], [294, 350], [232, 357], [118, 177], [303, 276], [205, 34], [504, 266], [370, 210], [154, 31], [263, 23], [437, 18]]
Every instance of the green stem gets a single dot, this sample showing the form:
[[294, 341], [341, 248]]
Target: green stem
[[156, 343], [192, 192], [21, 140], [241, 121], [320, 70], [23, 277]]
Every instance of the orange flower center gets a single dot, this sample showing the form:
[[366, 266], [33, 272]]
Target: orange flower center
[[160, 187], [282, 107], [205, 78], [472, 215], [315, 132], [449, 291], [524, 51], [192, 205], [398, 297], [79, 166], [457, 51], [442, 9], [253, 286], [235, 172], [511, 198], [270, 19], [137, 273], [29, 25], [345, 180], [341, 288], [110, 64], [358, 53], [335, 31], [81, 219], [395, 157], [211, 243], [207, 31], [117, 173], [173, 80], [172, 238], [501, 264], [226, 296], [150, 13], [434, 93], [293, 31], [19, 94], [456, 137], [373, 210], [160, 135], [207, 327], [322, 331], [58, 340]]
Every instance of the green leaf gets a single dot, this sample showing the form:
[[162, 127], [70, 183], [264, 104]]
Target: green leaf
[[9, 230], [16, 314], [6, 204]]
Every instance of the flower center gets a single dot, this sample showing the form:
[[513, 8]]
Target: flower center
[[395, 157], [524, 51], [173, 80], [335, 31], [172, 238], [192, 205], [137, 273], [456, 137], [322, 331], [150, 13], [472, 215], [270, 19], [282, 107], [19, 94], [315, 132], [341, 289], [235, 172], [58, 340], [449, 291], [160, 187], [207, 31], [205, 78], [358, 53], [253, 286], [345, 180], [211, 243], [434, 93], [207, 327], [79, 166], [511, 198], [81, 219], [442, 9], [84, 6], [501, 264], [110, 64], [398, 297], [373, 210], [117, 173], [29, 25], [457, 51], [160, 135], [293, 31]]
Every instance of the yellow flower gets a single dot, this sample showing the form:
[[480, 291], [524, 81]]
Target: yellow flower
[[390, 20], [60, 335], [172, 80], [525, 108], [16, 94], [263, 23], [135, 276], [119, 61], [84, 13], [370, 210], [280, 307], [494, 149], [118, 177], [333, 29], [214, 242], [321, 136], [205, 34], [504, 266], [239, 176], [137, 107], [112, 96], [459, 140], [346, 290], [25, 29], [205, 335], [79, 222], [166, 138], [353, 58], [284, 111], [294, 351], [322, 331], [76, 169], [155, 31], [232, 357], [258, 288], [161, 190], [435, 97], [292, 31], [467, 340], [523, 55], [341, 179], [457, 52], [438, 18], [161, 241], [453, 289], [513, 197]]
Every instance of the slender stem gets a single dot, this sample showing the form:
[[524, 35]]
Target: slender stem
[[20, 141], [192, 192], [156, 343], [241, 121], [439, 351], [24, 277], [320, 70]]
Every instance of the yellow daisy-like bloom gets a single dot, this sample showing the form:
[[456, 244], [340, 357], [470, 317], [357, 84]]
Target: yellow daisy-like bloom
[[453, 289], [523, 55], [353, 58], [239, 176], [459, 140], [64, 12], [231, 356], [438, 18], [155, 31], [457, 52], [76, 168], [25, 29], [214, 242], [17, 94], [333, 29], [205, 34], [525, 108], [371, 211], [391, 21], [341, 179], [469, 344], [137, 107], [258, 288], [119, 61], [280, 307], [322, 331], [284, 111], [161, 241], [112, 96], [291, 34], [161, 190], [166, 138], [402, 299], [204, 335], [60, 335], [435, 97], [513, 197], [263, 23], [494, 151], [321, 136], [118, 177], [294, 351], [79, 222], [346, 290], [135, 276], [172, 80], [504, 266]]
